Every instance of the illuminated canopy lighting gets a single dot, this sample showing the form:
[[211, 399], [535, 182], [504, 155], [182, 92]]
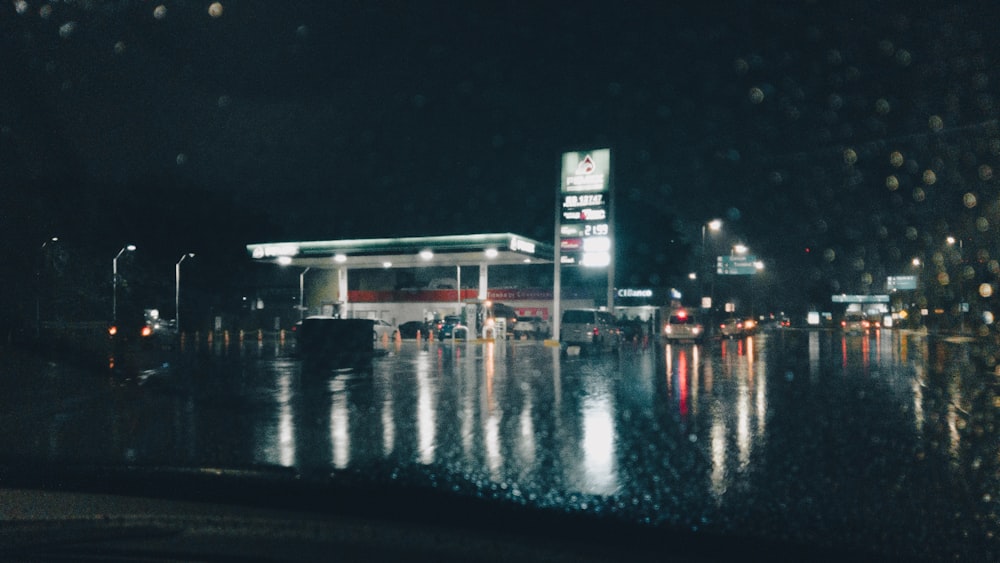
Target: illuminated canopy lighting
[[284, 260], [426, 254], [464, 250], [386, 264], [340, 258], [492, 253]]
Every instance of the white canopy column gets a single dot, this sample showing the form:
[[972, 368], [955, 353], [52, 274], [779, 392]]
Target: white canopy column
[[342, 291], [483, 280]]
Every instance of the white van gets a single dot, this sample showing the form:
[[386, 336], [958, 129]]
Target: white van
[[683, 325], [590, 329]]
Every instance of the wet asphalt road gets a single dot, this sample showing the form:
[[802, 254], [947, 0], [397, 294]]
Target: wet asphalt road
[[886, 443]]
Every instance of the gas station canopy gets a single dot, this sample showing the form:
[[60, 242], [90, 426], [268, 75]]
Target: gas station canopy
[[407, 252]]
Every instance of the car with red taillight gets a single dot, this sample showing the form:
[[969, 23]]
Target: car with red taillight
[[683, 324]]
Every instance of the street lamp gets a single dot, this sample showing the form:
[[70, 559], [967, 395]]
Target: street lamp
[[714, 225], [114, 281], [177, 291], [38, 286]]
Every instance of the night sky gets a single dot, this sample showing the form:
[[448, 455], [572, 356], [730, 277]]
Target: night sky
[[837, 139]]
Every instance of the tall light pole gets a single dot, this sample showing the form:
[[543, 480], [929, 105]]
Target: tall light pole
[[114, 281], [38, 286], [714, 225], [177, 291]]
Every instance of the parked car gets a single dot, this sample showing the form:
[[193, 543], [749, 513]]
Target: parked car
[[383, 328], [448, 326], [531, 327], [682, 324], [409, 329], [590, 329], [506, 312], [330, 341]]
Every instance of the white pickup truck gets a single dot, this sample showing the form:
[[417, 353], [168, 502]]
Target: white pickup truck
[[531, 328]]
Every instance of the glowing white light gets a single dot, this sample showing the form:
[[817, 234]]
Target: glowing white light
[[284, 260], [340, 258], [426, 254], [386, 264], [272, 250], [596, 259], [596, 244], [491, 253]]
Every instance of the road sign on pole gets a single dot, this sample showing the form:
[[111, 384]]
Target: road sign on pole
[[742, 265]]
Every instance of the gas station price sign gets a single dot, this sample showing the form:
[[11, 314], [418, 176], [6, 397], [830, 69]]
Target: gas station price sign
[[584, 213]]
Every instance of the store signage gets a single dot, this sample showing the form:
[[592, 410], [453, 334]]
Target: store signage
[[273, 250], [585, 236], [629, 292], [521, 245]]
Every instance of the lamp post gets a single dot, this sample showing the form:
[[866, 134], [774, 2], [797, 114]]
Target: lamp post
[[38, 287], [177, 291], [714, 225], [114, 281]]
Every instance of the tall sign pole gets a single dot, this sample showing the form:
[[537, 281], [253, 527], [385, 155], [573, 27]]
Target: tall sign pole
[[555, 319], [584, 234]]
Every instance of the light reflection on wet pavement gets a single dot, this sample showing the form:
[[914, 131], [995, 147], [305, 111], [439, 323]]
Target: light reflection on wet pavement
[[886, 443]]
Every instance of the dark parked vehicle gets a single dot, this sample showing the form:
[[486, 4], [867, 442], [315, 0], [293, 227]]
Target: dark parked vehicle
[[448, 326], [506, 312], [410, 329], [334, 342]]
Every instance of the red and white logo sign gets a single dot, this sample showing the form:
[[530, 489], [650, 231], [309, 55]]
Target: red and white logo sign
[[585, 166]]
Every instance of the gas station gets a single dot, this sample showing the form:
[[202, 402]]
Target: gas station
[[584, 232], [329, 268]]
